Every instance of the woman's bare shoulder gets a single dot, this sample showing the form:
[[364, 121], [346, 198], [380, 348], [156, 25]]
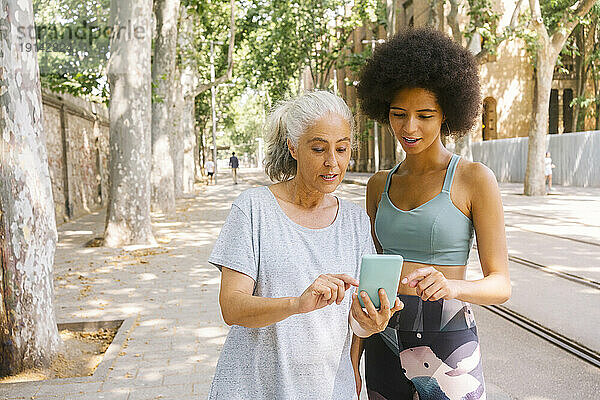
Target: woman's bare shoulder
[[478, 180], [377, 180], [476, 173]]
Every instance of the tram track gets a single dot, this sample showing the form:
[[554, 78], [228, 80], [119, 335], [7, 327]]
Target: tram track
[[563, 342], [569, 345], [568, 221], [553, 271], [555, 235], [566, 275]]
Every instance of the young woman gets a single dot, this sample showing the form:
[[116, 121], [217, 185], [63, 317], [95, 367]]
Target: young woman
[[426, 209], [288, 253]]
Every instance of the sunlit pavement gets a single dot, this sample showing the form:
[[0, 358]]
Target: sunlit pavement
[[171, 294], [169, 290]]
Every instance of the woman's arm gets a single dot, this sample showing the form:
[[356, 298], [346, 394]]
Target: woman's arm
[[488, 220], [375, 187], [356, 351], [240, 307]]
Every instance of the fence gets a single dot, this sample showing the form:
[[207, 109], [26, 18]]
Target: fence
[[576, 156]]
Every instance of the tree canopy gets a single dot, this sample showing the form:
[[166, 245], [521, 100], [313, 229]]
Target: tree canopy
[[73, 45], [281, 37]]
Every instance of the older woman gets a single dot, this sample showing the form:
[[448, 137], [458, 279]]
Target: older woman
[[425, 86], [288, 253]]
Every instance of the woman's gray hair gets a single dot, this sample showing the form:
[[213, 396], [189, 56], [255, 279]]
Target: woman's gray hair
[[289, 119]]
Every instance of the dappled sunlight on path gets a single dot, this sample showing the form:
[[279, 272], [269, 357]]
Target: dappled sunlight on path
[[169, 290]]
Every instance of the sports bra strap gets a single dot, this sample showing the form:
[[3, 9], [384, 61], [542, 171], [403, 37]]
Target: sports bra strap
[[450, 173], [389, 178]]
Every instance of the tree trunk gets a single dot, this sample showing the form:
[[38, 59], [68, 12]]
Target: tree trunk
[[453, 22], [197, 149], [548, 49], [462, 146], [189, 146], [28, 332], [177, 136], [202, 145], [581, 75], [187, 81], [128, 213], [199, 88], [391, 15], [534, 175], [594, 75], [436, 15], [163, 194], [202, 152]]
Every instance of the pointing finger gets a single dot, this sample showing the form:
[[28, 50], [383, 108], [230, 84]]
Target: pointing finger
[[347, 279], [414, 277], [341, 288]]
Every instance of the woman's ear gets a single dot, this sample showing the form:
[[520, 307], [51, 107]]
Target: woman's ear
[[292, 149]]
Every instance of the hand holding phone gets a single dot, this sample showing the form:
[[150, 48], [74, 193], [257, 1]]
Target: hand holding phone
[[379, 271], [375, 302]]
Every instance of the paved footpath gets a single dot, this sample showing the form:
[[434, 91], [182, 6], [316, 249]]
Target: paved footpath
[[167, 293], [173, 331]]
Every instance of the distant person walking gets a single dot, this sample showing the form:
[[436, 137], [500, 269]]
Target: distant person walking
[[548, 170], [234, 163], [210, 170]]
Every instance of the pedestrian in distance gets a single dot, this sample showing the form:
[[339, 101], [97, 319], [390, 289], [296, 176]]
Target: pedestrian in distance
[[548, 170], [425, 86], [351, 164], [209, 166], [234, 163], [288, 253]]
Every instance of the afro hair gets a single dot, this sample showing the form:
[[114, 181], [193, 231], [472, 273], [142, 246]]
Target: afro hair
[[423, 58]]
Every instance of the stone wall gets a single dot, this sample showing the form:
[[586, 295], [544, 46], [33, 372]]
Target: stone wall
[[575, 155], [509, 81], [77, 140]]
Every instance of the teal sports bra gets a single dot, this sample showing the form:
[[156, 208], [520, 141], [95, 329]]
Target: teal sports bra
[[435, 232]]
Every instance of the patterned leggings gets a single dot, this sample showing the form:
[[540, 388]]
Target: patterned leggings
[[430, 348]]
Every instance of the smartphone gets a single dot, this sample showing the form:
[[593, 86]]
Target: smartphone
[[380, 271]]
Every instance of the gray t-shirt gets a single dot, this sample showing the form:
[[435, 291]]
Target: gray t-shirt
[[305, 356]]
